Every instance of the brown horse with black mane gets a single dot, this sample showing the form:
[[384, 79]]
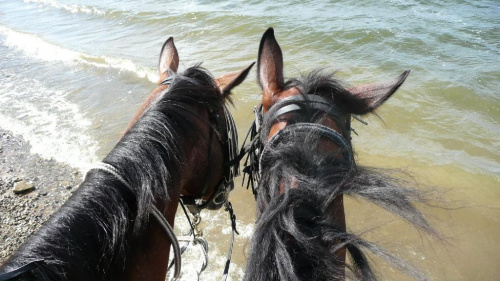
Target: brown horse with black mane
[[302, 164], [117, 225]]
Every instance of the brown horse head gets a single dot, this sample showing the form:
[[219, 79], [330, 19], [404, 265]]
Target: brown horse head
[[305, 163], [205, 173], [193, 180]]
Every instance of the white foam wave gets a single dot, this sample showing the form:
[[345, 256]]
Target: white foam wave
[[193, 260], [128, 65], [217, 230], [35, 47], [54, 127], [74, 8]]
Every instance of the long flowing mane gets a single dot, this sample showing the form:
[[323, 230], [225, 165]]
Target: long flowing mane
[[295, 237], [92, 230]]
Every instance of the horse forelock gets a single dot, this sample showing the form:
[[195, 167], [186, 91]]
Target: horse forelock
[[292, 224]]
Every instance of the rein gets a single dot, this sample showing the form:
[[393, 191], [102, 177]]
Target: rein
[[20, 271], [155, 212], [227, 134]]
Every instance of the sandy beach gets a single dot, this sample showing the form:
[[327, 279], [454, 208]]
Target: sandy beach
[[48, 185]]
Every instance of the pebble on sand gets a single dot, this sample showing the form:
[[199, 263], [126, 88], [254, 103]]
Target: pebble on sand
[[22, 187]]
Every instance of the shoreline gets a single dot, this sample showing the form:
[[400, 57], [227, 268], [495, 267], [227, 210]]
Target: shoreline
[[50, 183]]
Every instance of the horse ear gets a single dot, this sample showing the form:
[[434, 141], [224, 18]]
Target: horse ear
[[373, 95], [227, 82], [270, 65], [169, 58]]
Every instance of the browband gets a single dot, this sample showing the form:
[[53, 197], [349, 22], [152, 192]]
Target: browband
[[290, 104], [300, 102]]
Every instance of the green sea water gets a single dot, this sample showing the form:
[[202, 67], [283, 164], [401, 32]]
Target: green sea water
[[73, 73]]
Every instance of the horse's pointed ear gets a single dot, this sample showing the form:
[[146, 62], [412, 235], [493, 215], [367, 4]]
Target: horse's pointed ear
[[169, 59], [373, 95], [227, 82], [270, 65]]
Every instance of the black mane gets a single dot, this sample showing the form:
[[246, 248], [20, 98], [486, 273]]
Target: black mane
[[88, 237], [295, 238]]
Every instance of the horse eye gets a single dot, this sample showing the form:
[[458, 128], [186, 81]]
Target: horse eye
[[290, 118]]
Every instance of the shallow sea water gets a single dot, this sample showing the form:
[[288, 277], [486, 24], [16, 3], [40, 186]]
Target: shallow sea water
[[73, 73]]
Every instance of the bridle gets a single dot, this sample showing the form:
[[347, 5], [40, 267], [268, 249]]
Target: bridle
[[225, 129], [302, 113]]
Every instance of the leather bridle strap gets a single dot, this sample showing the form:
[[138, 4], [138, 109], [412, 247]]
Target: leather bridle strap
[[155, 212], [289, 104], [231, 163], [312, 103]]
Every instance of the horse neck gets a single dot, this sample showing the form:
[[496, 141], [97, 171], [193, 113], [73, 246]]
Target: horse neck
[[98, 224], [148, 256]]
